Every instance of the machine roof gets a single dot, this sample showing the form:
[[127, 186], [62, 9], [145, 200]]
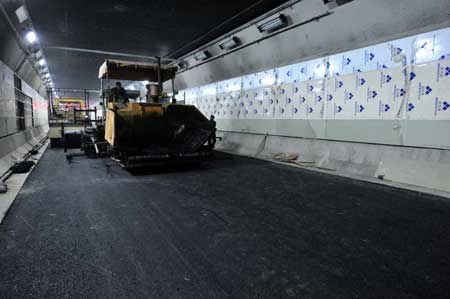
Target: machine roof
[[134, 71]]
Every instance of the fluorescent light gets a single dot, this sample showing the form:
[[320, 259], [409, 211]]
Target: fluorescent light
[[38, 54], [209, 91], [21, 14], [42, 62], [230, 43], [145, 82], [273, 24], [268, 80], [200, 56], [47, 75], [321, 70], [31, 37], [234, 87]]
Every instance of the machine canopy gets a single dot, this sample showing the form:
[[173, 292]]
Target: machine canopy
[[135, 71]]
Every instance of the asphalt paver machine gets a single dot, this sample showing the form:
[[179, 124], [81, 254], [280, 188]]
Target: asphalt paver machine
[[139, 133]]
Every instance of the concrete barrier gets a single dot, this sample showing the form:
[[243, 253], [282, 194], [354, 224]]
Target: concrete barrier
[[423, 167], [15, 146]]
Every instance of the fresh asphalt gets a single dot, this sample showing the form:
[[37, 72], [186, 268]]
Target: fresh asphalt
[[233, 227]]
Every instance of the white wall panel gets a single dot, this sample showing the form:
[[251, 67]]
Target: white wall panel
[[397, 80]]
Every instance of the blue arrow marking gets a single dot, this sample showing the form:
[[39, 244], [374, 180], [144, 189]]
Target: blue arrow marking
[[445, 105], [447, 71]]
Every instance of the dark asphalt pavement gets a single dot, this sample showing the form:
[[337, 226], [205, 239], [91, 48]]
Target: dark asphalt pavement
[[232, 228]]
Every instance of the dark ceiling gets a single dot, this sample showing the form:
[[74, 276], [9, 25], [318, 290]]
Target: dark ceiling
[[149, 28]]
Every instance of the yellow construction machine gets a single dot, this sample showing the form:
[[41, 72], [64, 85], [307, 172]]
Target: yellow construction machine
[[155, 128]]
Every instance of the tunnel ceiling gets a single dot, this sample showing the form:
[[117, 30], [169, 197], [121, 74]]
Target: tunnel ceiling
[[149, 28]]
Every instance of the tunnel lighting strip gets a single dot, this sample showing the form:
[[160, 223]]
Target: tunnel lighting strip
[[31, 37], [200, 56], [21, 39], [21, 14], [232, 32], [269, 35], [230, 43], [273, 24]]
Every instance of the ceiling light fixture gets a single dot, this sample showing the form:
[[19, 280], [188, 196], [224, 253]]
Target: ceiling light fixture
[[200, 56], [31, 37], [21, 14], [42, 62], [230, 43], [273, 24], [38, 55]]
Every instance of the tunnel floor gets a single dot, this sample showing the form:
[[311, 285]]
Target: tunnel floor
[[232, 228]]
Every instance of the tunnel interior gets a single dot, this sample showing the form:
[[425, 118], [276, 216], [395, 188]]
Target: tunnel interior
[[224, 149]]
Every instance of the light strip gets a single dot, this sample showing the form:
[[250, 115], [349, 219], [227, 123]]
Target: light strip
[[230, 43], [200, 56], [273, 24]]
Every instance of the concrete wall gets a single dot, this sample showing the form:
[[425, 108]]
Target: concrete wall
[[15, 140], [407, 143], [421, 167], [354, 25]]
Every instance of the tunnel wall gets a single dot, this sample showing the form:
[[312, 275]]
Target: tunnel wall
[[23, 103], [371, 77]]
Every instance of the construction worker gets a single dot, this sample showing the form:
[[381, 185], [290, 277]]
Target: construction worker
[[118, 94], [212, 138]]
